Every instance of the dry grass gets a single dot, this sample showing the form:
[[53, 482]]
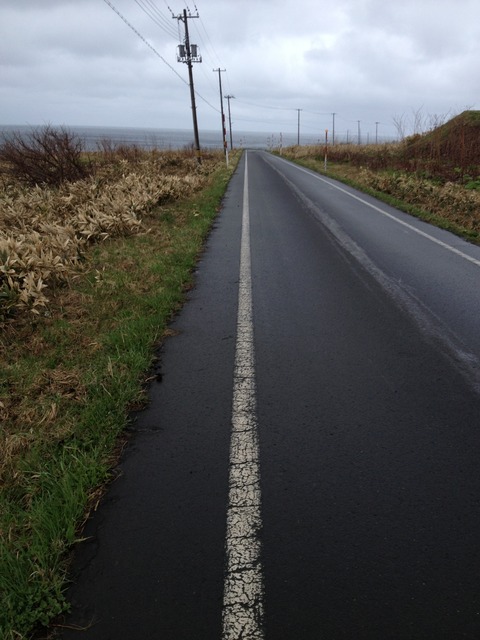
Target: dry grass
[[449, 153], [46, 241], [452, 201], [436, 175], [44, 231], [71, 370]]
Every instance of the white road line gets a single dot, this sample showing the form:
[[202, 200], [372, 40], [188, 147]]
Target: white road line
[[243, 589], [463, 255]]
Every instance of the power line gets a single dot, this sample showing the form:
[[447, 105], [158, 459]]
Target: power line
[[272, 123], [161, 16], [208, 79], [130, 25], [319, 113], [202, 41], [262, 106], [154, 14], [208, 46], [208, 38]]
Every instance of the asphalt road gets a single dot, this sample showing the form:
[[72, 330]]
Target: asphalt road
[[308, 468]]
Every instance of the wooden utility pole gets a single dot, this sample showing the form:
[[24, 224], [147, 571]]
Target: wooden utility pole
[[230, 120], [326, 149], [189, 53], [298, 127], [224, 130]]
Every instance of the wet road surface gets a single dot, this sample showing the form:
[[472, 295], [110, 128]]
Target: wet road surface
[[309, 466]]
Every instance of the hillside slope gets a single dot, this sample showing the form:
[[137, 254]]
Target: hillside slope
[[456, 143]]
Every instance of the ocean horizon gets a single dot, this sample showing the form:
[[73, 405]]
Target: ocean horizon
[[174, 139]]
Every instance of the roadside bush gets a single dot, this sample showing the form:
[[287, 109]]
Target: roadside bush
[[46, 156], [111, 151], [45, 230], [451, 201]]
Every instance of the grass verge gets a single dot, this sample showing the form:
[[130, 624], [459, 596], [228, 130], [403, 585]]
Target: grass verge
[[356, 177], [73, 374]]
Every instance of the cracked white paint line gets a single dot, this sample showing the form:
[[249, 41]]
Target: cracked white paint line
[[243, 589]]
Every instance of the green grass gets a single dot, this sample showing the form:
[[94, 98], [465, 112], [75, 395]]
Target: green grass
[[83, 371]]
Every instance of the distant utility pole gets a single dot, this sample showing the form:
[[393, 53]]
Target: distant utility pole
[[224, 131], [230, 120], [188, 53], [326, 149], [333, 128], [298, 127], [376, 132], [359, 138]]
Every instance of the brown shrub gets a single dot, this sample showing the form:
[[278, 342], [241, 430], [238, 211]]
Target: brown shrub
[[46, 156]]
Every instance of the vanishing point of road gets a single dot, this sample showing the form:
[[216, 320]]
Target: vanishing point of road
[[309, 466]]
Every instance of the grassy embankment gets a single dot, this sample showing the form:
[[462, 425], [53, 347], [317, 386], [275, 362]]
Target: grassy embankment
[[90, 273], [435, 176]]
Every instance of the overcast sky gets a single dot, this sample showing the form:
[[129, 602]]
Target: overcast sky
[[75, 62]]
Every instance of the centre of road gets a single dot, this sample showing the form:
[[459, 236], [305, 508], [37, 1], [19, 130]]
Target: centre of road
[[243, 609]]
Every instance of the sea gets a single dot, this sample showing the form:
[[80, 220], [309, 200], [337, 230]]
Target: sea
[[173, 139]]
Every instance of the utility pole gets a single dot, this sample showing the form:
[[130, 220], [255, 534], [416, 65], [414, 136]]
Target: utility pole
[[230, 120], [326, 149], [358, 122], [224, 131], [188, 53], [333, 128], [298, 127], [376, 132]]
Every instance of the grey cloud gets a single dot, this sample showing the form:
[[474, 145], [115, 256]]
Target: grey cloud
[[367, 59]]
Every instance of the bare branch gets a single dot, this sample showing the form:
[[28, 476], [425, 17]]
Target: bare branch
[[45, 156]]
